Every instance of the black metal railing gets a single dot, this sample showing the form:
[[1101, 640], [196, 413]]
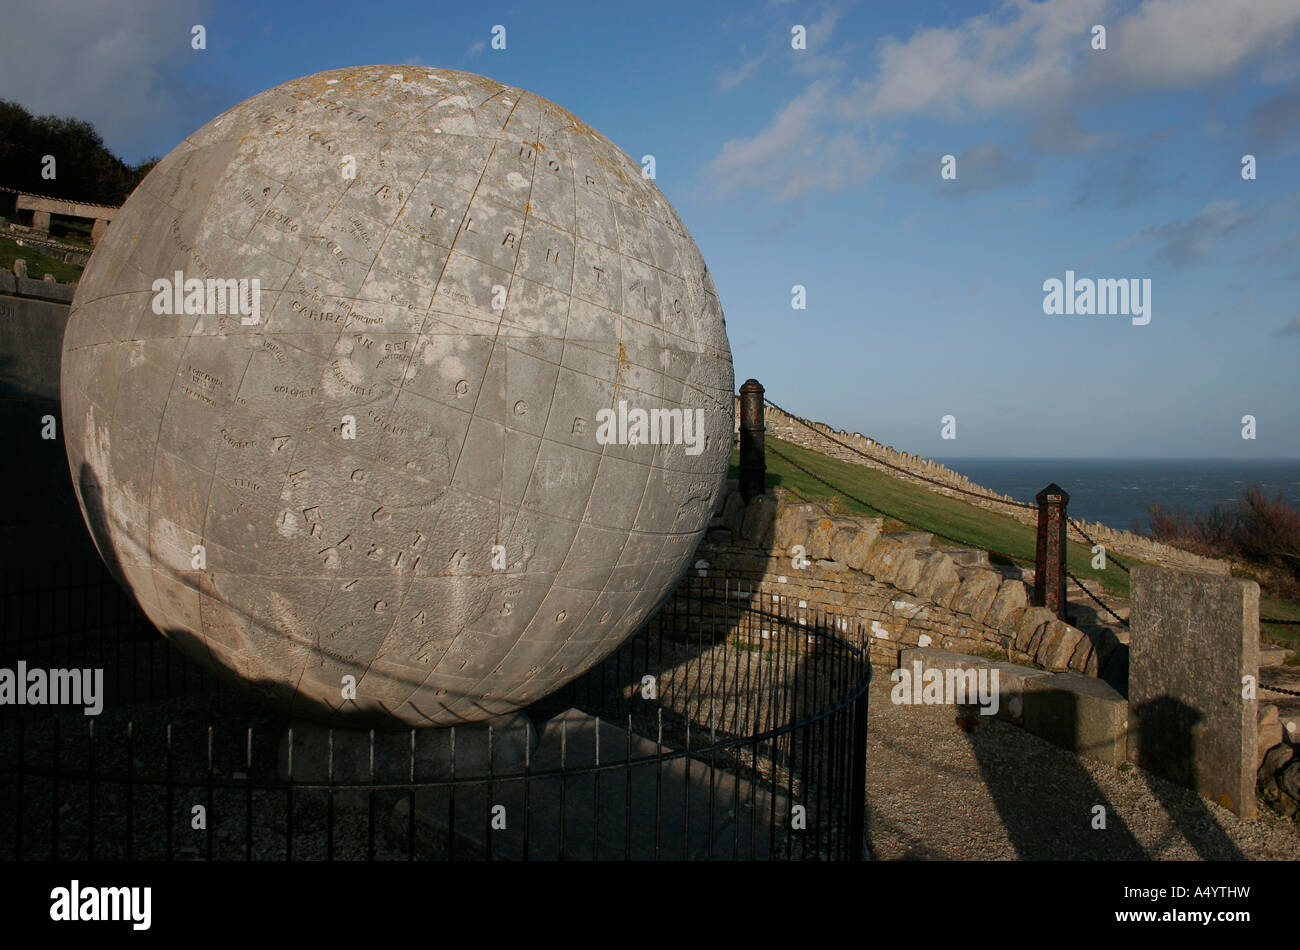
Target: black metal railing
[[730, 727]]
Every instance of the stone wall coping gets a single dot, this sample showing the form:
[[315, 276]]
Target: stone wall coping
[[39, 289]]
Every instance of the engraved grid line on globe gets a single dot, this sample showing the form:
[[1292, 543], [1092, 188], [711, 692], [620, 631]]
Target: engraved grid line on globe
[[663, 363]]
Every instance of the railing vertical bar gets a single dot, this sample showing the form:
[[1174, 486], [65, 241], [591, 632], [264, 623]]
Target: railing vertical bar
[[528, 783], [18, 792], [329, 794], [451, 798], [659, 776], [170, 793], [210, 817], [713, 771], [410, 801], [858, 804], [248, 795], [627, 800], [130, 789], [370, 804], [491, 789], [564, 782], [54, 793], [90, 790], [595, 811], [686, 791], [288, 810]]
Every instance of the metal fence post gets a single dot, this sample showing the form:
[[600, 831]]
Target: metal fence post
[[858, 777], [1049, 557], [753, 464]]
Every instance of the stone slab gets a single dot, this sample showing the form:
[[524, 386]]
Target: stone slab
[[943, 659], [1079, 713], [1195, 636], [1011, 689], [913, 539]]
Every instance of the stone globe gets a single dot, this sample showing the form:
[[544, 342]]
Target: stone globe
[[398, 395]]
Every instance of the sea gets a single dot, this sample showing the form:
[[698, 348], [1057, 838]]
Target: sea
[[1119, 492]]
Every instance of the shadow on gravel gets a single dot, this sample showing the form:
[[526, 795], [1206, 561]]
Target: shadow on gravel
[[1167, 746], [1046, 801]]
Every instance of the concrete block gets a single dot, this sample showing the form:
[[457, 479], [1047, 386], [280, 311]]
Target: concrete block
[[931, 657], [1011, 689], [1080, 713], [969, 691], [1195, 636]]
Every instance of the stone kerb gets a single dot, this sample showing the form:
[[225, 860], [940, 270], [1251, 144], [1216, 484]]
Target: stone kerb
[[904, 592]]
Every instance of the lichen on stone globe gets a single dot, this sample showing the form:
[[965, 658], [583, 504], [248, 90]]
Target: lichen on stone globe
[[397, 394]]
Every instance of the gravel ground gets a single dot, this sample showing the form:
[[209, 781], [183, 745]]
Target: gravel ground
[[938, 792]]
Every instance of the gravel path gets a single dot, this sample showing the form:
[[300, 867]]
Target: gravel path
[[938, 792]]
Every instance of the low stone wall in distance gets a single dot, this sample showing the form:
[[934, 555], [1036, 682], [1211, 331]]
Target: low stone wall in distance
[[917, 469], [899, 590]]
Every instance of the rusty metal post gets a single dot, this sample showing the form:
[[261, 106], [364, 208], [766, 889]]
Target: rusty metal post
[[1049, 558], [753, 461]]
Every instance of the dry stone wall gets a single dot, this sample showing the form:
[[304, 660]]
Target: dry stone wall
[[898, 589], [789, 428]]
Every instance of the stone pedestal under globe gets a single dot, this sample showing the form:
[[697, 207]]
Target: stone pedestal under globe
[[405, 476]]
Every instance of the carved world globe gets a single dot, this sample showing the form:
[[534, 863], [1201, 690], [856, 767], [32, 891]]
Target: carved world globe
[[397, 394]]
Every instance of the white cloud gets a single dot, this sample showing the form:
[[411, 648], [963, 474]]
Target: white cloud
[[986, 63], [796, 153], [1289, 328], [1183, 243], [1039, 55], [817, 57], [730, 80], [1174, 43], [1027, 60], [114, 65]]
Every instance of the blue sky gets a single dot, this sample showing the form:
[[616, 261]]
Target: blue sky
[[821, 167]]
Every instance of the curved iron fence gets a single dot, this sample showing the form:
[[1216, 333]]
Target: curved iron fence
[[730, 727]]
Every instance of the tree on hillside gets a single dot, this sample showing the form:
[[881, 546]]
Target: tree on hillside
[[85, 170]]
